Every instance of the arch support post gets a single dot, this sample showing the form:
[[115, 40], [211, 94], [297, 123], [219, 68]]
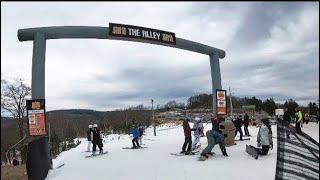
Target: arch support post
[[38, 67], [216, 79]]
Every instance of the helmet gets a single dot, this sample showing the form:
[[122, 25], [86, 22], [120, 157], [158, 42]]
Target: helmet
[[95, 125], [90, 126], [197, 119]]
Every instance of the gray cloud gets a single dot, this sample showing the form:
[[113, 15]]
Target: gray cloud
[[272, 50]]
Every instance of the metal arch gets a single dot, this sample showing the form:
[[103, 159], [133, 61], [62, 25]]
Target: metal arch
[[41, 34], [97, 32]]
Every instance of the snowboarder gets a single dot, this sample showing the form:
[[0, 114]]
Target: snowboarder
[[196, 134], [238, 123], [187, 140], [136, 134], [96, 139], [246, 124], [89, 137], [264, 138], [214, 137]]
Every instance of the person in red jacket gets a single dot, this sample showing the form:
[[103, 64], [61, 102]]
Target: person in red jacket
[[187, 134]]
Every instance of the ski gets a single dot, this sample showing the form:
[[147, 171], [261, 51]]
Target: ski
[[98, 154], [142, 147], [243, 139], [252, 151], [59, 166]]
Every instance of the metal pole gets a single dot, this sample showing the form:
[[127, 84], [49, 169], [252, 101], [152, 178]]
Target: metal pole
[[154, 123]]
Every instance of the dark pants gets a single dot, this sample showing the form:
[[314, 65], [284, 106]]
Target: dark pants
[[246, 131], [95, 143], [287, 130], [240, 131], [187, 141], [211, 142], [298, 127], [135, 141], [264, 150]]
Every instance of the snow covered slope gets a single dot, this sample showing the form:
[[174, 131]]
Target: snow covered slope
[[156, 163]]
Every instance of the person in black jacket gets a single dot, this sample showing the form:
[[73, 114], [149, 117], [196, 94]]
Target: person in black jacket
[[141, 133], [287, 120], [89, 137], [238, 123], [96, 139], [246, 124]]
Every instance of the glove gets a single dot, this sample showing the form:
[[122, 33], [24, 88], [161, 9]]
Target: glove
[[271, 145], [259, 144]]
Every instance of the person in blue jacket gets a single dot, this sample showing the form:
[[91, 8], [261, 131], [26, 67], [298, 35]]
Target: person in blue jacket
[[136, 134]]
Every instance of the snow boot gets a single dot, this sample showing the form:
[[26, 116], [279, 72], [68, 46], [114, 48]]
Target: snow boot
[[204, 155]]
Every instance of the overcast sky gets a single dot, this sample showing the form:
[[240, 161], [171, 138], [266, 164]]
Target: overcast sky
[[272, 50]]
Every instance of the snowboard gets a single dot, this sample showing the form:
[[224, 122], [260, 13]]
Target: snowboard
[[142, 147], [97, 154], [243, 139], [201, 158], [252, 151], [191, 153]]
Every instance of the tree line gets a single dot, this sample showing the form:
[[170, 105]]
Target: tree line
[[66, 125]]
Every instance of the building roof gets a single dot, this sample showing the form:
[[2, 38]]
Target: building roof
[[249, 107]]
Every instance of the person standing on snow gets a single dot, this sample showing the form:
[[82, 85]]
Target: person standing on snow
[[298, 121], [287, 119], [89, 137], [238, 123], [197, 130], [246, 124], [136, 134], [141, 133], [187, 137], [96, 139]]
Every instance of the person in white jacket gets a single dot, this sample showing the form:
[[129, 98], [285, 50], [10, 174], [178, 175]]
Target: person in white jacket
[[264, 137], [197, 131]]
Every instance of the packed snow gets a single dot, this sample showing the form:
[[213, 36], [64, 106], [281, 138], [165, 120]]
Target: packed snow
[[156, 163]]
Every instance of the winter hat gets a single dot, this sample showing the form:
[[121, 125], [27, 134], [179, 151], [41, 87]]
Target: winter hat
[[95, 125], [90, 126]]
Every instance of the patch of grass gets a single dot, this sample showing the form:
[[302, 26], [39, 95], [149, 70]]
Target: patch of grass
[[10, 172]]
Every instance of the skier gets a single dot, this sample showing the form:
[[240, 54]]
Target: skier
[[136, 134], [96, 139], [264, 138], [246, 124], [214, 136], [89, 137], [141, 133], [187, 133], [196, 134], [238, 123]]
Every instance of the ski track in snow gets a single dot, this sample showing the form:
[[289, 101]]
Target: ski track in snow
[[156, 163]]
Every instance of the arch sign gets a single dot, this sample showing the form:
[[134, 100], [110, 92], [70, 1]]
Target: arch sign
[[115, 31]]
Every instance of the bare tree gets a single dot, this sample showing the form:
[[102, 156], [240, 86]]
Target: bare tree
[[13, 100]]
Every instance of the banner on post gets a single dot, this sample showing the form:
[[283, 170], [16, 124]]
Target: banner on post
[[36, 117], [221, 102]]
